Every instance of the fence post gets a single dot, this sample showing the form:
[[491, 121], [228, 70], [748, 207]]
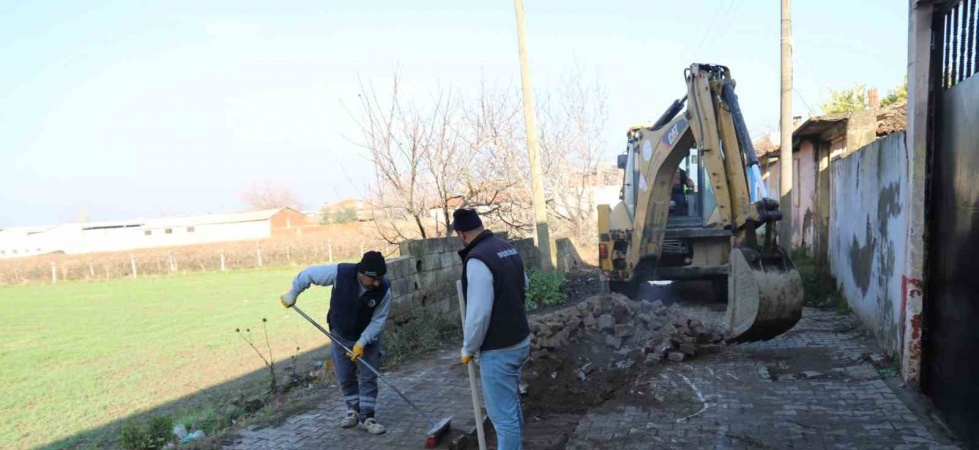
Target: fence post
[[361, 248], [173, 266], [289, 254], [132, 262], [329, 250], [258, 252], [54, 272], [222, 260], [91, 267]]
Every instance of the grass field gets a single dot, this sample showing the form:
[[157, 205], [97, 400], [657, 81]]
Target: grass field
[[77, 356]]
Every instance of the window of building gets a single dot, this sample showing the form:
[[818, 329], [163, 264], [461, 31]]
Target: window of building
[[190, 229], [168, 231], [148, 232]]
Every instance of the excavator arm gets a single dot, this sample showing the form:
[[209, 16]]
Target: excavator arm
[[764, 289]]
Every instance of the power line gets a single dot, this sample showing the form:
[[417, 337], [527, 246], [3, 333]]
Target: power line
[[710, 29]]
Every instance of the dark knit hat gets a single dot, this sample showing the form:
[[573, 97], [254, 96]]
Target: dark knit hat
[[372, 265], [465, 219]]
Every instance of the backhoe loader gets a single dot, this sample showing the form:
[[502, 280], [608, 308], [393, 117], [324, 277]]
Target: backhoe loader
[[694, 207]]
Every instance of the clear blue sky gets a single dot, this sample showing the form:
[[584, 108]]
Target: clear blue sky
[[138, 108]]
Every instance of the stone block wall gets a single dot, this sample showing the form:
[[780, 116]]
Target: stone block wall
[[528, 252], [423, 279]]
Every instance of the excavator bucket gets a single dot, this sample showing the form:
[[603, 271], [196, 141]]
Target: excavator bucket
[[765, 295]]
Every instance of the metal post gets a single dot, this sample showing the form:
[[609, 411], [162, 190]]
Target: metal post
[[91, 267], [222, 260], [54, 273], [329, 250], [132, 263], [258, 252], [530, 121], [173, 265], [785, 124]]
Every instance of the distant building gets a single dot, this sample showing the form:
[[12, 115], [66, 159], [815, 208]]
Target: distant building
[[92, 237], [361, 212]]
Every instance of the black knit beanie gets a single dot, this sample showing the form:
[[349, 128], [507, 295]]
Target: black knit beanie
[[465, 219], [372, 265]]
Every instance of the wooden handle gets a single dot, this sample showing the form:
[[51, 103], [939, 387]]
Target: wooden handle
[[472, 375]]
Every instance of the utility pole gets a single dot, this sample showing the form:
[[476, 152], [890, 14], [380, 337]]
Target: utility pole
[[786, 127], [530, 119]]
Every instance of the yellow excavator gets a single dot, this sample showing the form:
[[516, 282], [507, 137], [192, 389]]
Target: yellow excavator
[[694, 207]]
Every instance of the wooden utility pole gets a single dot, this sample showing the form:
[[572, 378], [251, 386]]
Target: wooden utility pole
[[786, 127], [530, 120]]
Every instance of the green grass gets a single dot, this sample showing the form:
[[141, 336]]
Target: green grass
[[77, 356], [818, 284]]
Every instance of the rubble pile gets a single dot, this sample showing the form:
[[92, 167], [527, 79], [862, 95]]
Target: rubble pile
[[612, 332]]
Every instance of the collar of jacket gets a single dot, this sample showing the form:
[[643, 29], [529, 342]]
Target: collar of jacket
[[486, 234]]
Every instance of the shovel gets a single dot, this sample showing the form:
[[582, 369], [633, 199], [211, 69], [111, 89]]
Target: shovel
[[435, 429]]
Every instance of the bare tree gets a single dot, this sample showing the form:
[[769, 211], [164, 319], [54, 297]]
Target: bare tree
[[497, 179], [397, 137], [270, 194], [448, 149], [572, 139]]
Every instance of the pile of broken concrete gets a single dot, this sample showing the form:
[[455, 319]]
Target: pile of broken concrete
[[633, 332]]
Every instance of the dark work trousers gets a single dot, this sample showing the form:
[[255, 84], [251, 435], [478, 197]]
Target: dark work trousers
[[362, 396]]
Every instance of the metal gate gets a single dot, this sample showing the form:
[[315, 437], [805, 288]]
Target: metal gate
[[951, 339]]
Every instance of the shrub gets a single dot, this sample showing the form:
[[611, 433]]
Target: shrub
[[150, 435], [423, 333], [546, 289], [818, 284]]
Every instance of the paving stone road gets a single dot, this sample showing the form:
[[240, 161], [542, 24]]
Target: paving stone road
[[814, 387]]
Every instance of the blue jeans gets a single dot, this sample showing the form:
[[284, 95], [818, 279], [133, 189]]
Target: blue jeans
[[500, 372], [362, 396]]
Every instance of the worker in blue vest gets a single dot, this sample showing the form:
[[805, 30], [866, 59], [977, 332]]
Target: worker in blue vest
[[495, 286], [359, 306]]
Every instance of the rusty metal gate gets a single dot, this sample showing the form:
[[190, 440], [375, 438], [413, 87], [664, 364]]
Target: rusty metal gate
[[951, 307]]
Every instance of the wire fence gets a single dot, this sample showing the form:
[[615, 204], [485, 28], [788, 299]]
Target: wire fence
[[226, 256]]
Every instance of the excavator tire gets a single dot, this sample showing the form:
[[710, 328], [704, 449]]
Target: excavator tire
[[765, 295]]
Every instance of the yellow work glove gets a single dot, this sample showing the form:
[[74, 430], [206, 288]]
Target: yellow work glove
[[466, 359], [287, 302], [357, 352]]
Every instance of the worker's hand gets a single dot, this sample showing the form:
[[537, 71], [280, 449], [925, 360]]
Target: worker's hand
[[466, 359], [287, 300], [357, 352]]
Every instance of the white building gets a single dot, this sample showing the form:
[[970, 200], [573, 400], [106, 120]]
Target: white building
[[92, 237]]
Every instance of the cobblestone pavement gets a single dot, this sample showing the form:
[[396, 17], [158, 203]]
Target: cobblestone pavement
[[814, 387], [436, 384]]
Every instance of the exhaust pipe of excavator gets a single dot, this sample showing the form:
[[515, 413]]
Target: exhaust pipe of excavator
[[765, 295]]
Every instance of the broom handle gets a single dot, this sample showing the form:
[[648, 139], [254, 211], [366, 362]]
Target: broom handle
[[361, 360], [472, 375]]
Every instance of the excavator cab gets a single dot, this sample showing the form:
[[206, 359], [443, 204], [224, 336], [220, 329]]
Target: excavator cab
[[693, 207]]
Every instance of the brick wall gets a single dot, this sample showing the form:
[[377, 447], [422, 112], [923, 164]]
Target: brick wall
[[423, 279]]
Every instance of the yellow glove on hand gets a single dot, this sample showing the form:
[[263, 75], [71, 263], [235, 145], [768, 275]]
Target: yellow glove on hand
[[286, 302], [357, 352], [466, 359]]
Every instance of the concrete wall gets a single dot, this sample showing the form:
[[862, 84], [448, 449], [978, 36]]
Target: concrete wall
[[803, 191], [423, 279], [869, 235], [919, 79]]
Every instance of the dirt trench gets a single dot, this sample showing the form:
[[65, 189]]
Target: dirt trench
[[592, 354]]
